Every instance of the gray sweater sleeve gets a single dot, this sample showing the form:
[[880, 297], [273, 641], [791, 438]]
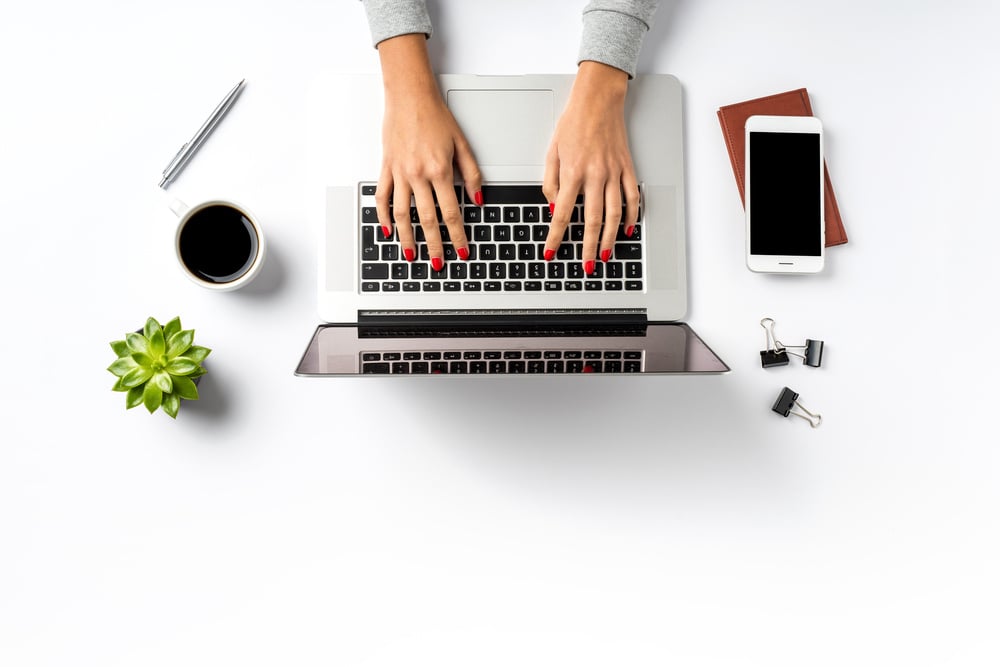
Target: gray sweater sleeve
[[613, 31], [389, 18]]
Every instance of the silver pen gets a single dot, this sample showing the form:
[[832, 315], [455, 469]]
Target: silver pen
[[191, 147]]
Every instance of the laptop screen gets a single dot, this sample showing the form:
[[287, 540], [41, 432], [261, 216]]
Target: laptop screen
[[612, 349]]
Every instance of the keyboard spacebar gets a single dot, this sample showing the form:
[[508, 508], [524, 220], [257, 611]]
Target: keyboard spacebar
[[513, 194]]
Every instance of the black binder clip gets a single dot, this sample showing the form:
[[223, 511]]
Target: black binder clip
[[774, 355], [777, 352], [787, 400]]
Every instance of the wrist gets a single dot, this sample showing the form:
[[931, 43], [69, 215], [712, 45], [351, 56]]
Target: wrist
[[406, 67], [600, 83]]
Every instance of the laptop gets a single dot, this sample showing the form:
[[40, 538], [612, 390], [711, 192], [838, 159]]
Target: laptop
[[505, 310]]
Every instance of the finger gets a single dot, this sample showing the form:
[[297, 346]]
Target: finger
[[424, 200], [401, 216], [451, 215], [612, 217], [630, 187], [383, 195], [593, 212], [469, 169], [550, 181], [565, 202]]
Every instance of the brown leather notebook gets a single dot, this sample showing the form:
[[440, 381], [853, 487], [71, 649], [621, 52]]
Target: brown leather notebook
[[733, 118]]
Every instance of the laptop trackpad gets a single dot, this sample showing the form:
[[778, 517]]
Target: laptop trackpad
[[505, 127]]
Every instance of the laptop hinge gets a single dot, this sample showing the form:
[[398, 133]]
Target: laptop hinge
[[530, 318]]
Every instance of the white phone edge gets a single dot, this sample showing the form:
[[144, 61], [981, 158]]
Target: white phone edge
[[783, 263]]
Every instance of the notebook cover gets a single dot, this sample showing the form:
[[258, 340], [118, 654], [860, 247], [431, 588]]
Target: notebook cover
[[733, 118]]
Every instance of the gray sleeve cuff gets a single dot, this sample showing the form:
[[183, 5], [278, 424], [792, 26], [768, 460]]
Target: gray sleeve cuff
[[391, 18], [613, 32]]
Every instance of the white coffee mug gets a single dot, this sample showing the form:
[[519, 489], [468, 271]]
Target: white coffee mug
[[219, 243]]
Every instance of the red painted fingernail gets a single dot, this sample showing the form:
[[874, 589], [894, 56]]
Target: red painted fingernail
[[463, 253], [606, 255], [549, 254], [589, 266], [478, 197], [409, 254], [552, 208], [437, 263], [387, 231], [629, 231]]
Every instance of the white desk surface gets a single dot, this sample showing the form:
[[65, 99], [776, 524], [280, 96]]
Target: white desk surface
[[519, 521]]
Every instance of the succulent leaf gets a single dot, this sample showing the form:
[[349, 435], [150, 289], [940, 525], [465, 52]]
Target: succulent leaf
[[157, 345], [171, 404], [185, 388], [151, 327], [137, 342], [172, 327], [121, 348], [119, 386], [197, 373], [143, 359], [181, 366], [137, 376], [197, 353], [122, 366], [162, 380], [152, 396], [179, 343], [133, 398]]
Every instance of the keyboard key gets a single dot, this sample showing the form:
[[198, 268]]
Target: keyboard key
[[512, 214], [411, 286], [369, 214], [375, 369], [514, 194], [390, 287], [472, 214], [368, 190], [374, 271], [628, 251], [492, 214]]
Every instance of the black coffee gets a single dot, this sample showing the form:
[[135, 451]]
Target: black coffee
[[218, 244]]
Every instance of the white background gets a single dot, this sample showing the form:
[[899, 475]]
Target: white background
[[521, 521]]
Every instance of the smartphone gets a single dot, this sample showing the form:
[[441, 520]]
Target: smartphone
[[786, 226]]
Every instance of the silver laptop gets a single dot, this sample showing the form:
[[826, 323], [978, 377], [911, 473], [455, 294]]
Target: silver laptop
[[505, 310]]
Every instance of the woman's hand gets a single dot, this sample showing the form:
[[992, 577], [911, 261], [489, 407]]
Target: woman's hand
[[420, 143], [589, 153]]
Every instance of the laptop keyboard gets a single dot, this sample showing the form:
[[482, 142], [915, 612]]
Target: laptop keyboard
[[506, 250], [494, 362]]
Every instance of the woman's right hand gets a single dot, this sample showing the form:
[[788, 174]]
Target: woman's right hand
[[421, 141]]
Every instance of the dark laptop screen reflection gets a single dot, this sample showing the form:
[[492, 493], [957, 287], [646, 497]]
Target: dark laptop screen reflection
[[618, 349]]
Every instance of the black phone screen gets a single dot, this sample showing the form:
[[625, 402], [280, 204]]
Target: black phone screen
[[786, 196]]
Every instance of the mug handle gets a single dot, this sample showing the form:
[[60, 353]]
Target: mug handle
[[178, 207]]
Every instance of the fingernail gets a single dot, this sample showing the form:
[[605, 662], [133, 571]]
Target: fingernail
[[463, 253], [387, 231], [478, 197], [606, 255], [629, 231], [552, 208], [549, 254], [409, 254], [589, 266], [437, 263]]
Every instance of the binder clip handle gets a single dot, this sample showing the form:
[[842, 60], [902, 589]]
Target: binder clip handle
[[773, 354], [787, 401]]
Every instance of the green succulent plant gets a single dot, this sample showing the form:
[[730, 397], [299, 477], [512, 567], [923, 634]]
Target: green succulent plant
[[157, 367]]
